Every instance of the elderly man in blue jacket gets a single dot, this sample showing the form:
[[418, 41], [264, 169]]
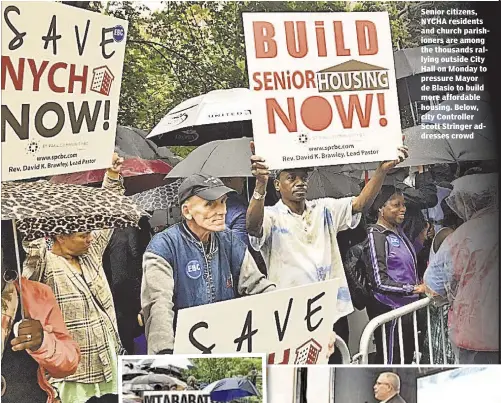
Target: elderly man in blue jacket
[[196, 262]]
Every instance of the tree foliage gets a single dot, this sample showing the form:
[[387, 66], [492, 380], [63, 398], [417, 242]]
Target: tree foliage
[[208, 370]]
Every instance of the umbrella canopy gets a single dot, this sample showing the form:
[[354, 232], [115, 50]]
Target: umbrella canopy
[[131, 399], [230, 388], [220, 158], [132, 369], [167, 362], [46, 209], [480, 110], [134, 372], [139, 175], [408, 62], [481, 145], [328, 182], [410, 73], [231, 158], [220, 114], [433, 151], [159, 198], [157, 379], [141, 387], [145, 361], [132, 142]]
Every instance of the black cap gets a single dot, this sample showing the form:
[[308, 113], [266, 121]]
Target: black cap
[[277, 172], [383, 196], [205, 186]]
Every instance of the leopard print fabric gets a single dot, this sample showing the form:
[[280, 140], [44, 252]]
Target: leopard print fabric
[[160, 198], [46, 209]]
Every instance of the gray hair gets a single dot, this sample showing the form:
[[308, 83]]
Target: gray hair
[[393, 380]]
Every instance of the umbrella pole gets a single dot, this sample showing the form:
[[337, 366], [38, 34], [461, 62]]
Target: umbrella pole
[[427, 211], [19, 273], [410, 102]]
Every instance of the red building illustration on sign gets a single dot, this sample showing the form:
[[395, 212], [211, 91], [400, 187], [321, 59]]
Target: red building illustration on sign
[[285, 358], [308, 352], [101, 80]]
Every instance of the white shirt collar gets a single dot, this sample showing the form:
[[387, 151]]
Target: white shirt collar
[[282, 207]]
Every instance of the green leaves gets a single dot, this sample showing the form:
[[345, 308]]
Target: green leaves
[[208, 369]]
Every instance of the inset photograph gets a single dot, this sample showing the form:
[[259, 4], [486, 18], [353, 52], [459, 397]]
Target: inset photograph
[[323, 384], [193, 379]]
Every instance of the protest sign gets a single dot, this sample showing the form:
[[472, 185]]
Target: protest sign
[[177, 397], [324, 88], [61, 75], [292, 326]]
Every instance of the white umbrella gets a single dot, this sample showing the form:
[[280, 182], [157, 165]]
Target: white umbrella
[[133, 371], [216, 115], [156, 379], [146, 361], [168, 362]]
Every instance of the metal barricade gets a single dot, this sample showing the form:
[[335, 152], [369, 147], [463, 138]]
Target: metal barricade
[[362, 357], [343, 349]]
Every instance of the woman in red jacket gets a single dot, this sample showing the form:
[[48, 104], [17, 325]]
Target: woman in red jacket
[[41, 344]]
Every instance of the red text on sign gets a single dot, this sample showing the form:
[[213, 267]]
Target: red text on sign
[[298, 43], [60, 77], [317, 113]]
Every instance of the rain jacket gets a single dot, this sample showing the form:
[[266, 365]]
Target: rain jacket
[[236, 211], [59, 354], [465, 270], [179, 273], [390, 260]]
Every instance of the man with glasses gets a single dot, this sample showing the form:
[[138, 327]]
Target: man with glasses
[[297, 237], [387, 388]]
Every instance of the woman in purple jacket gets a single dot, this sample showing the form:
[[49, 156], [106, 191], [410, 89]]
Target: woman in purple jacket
[[391, 267]]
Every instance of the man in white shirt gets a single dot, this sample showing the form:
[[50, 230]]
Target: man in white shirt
[[297, 237], [387, 388]]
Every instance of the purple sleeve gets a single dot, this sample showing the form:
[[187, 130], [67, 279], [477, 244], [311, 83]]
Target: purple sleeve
[[418, 246]]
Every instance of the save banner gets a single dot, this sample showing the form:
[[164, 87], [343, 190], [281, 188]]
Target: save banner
[[61, 75], [292, 326]]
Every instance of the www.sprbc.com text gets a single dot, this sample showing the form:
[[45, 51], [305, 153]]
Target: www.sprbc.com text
[[56, 157]]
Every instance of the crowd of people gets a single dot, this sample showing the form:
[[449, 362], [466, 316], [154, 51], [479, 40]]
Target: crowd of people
[[396, 241]]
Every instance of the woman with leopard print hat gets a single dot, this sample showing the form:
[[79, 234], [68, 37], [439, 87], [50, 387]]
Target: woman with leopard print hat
[[72, 267]]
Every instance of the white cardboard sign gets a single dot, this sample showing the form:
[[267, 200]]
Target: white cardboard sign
[[291, 326], [324, 88], [61, 76]]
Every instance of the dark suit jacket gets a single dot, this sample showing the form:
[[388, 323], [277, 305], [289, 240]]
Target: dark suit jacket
[[122, 263], [397, 399]]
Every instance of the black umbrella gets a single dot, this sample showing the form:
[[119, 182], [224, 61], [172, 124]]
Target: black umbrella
[[231, 158], [411, 71], [328, 182], [132, 142]]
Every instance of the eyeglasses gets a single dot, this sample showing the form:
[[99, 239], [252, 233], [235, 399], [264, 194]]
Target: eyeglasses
[[382, 383]]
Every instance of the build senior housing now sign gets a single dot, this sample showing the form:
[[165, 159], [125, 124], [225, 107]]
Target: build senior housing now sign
[[324, 88], [61, 75]]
